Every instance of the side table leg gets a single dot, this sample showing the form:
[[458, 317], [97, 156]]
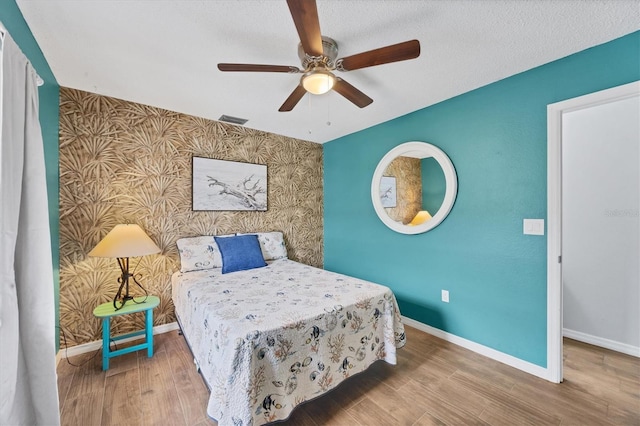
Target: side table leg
[[149, 331], [106, 325]]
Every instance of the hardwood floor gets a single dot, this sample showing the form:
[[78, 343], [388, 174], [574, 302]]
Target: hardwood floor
[[434, 383]]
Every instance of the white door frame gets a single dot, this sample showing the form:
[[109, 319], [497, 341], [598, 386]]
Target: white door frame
[[554, 212]]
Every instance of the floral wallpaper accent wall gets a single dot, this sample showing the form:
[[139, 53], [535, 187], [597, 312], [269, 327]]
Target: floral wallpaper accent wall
[[123, 162]]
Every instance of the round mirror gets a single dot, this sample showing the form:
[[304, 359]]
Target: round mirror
[[414, 187]]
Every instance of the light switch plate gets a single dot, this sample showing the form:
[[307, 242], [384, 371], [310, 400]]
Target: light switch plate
[[533, 226]]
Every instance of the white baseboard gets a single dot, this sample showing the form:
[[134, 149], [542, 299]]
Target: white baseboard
[[509, 360], [602, 342], [97, 344]]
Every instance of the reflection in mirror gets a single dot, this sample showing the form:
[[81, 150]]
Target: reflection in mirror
[[414, 187], [433, 184], [419, 189], [406, 171]]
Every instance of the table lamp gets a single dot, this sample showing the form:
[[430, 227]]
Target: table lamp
[[122, 242]]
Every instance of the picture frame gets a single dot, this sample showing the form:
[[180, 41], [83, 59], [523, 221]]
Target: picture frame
[[221, 185], [388, 191]]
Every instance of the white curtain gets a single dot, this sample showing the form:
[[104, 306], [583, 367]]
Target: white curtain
[[28, 388]]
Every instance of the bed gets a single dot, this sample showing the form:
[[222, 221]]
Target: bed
[[269, 338]]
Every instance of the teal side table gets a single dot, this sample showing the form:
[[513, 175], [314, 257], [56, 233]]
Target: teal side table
[[106, 311]]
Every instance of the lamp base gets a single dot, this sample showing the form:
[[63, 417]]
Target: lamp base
[[120, 299], [119, 302]]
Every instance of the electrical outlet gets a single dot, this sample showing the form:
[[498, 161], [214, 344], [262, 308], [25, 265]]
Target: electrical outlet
[[445, 296]]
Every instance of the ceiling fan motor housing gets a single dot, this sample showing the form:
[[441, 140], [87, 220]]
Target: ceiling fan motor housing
[[326, 60]]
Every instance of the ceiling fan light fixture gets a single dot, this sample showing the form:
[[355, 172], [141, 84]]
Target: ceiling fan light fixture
[[318, 81]]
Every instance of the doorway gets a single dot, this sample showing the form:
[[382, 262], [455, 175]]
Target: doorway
[[555, 116]]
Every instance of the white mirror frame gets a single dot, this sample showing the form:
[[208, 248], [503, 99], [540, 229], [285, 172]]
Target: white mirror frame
[[451, 181]]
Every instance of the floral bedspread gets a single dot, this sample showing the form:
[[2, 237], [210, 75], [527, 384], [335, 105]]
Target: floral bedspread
[[270, 338]]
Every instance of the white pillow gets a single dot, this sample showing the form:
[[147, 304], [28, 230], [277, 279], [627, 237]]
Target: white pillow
[[199, 253], [271, 244]]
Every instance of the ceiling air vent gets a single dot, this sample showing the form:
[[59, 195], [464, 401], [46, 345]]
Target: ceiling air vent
[[232, 120]]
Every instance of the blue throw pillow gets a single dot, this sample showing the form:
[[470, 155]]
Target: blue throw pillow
[[240, 253]]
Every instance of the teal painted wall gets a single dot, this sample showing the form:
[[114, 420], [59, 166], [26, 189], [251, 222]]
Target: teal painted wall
[[496, 137], [49, 95]]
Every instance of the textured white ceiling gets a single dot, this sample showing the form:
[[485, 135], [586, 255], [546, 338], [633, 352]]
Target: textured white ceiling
[[164, 53]]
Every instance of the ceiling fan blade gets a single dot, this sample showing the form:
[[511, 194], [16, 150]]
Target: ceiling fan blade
[[351, 93], [305, 16], [384, 55], [293, 99], [258, 68]]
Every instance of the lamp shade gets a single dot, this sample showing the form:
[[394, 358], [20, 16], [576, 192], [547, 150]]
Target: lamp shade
[[420, 218], [125, 241]]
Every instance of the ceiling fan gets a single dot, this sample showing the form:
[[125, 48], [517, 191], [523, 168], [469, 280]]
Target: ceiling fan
[[318, 55]]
